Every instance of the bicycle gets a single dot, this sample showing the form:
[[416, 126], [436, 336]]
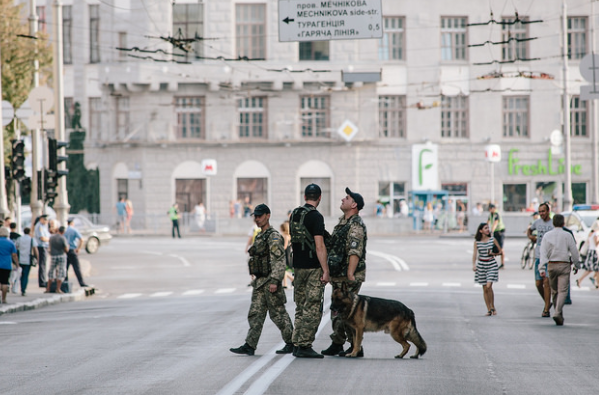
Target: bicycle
[[528, 256]]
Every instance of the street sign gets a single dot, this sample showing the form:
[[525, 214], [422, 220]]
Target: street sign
[[41, 99], [493, 153], [25, 111], [42, 122], [589, 69], [7, 113], [209, 167], [347, 130], [311, 20]]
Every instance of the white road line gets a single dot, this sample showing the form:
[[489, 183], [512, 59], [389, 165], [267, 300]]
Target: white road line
[[451, 284], [185, 261], [576, 289], [225, 290], [398, 263], [160, 294], [385, 284], [418, 284], [8, 323], [516, 286], [129, 296], [193, 292], [152, 252]]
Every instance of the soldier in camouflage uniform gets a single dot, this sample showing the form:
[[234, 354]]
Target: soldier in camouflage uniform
[[347, 264], [267, 266]]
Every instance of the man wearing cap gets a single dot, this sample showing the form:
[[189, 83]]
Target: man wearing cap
[[347, 263], [306, 227], [42, 237], [267, 267]]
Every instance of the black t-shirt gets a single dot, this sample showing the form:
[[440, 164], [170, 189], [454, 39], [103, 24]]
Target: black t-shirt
[[314, 222]]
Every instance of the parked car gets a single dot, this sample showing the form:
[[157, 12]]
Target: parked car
[[94, 236], [580, 220], [26, 215]]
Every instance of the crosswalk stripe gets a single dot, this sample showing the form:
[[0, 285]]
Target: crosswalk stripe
[[516, 286], [193, 292], [418, 284], [129, 296], [451, 284], [160, 294], [385, 284], [225, 290], [576, 289]]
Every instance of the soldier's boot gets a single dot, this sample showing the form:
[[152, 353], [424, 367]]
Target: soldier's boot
[[333, 349], [245, 349], [349, 350], [288, 349], [307, 352]]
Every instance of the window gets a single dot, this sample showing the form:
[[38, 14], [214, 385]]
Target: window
[[95, 118], [67, 31], [392, 116], [190, 117], [314, 50], [578, 117], [579, 192], [122, 188], [393, 196], [69, 109], [514, 49], [453, 38], [122, 44], [94, 33], [514, 197], [577, 37], [251, 30], [188, 22], [41, 18], [325, 186], [188, 193], [515, 116], [392, 44], [315, 116], [251, 192], [122, 117], [252, 117], [454, 116]]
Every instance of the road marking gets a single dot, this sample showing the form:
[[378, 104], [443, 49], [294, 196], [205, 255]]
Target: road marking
[[451, 284], [225, 290], [160, 294], [129, 296], [193, 292], [152, 252], [8, 323], [418, 284], [516, 286], [185, 261], [576, 289], [398, 263], [385, 284]]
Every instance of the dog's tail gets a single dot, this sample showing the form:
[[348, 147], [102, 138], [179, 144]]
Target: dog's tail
[[414, 337]]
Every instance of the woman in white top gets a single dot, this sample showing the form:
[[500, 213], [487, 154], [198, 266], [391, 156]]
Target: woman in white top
[[591, 263]]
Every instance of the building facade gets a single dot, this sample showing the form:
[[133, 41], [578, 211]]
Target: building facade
[[198, 101]]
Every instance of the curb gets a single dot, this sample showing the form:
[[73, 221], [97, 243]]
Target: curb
[[41, 302]]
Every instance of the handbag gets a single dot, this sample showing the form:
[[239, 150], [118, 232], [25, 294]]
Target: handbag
[[584, 250], [32, 258]]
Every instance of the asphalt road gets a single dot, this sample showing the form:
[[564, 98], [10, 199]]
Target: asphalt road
[[167, 312]]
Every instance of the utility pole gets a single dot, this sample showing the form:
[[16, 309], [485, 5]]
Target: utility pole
[[35, 203], [62, 205], [3, 204], [594, 129], [567, 201]]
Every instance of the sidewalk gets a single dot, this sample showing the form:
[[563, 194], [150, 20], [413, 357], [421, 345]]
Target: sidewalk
[[36, 297]]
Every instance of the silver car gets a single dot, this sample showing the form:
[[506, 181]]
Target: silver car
[[93, 235]]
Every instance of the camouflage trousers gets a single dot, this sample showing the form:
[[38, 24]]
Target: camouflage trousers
[[263, 301], [308, 293], [341, 331]]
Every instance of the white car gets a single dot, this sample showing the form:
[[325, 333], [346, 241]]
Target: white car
[[580, 220]]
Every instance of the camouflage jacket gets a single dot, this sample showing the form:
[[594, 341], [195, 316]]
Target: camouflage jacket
[[275, 244], [346, 242]]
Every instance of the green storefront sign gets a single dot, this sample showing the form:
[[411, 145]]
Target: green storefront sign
[[548, 167]]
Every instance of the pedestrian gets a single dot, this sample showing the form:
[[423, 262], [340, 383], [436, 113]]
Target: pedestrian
[[7, 222], [428, 217], [42, 237], [542, 225], [591, 263], [267, 266], [347, 265], [307, 231], [461, 214], [477, 209], [558, 251], [484, 264], [75, 241], [59, 247], [121, 213], [497, 227], [129, 211], [247, 207], [199, 212], [27, 248], [237, 208], [288, 279], [173, 214], [8, 259], [13, 232]]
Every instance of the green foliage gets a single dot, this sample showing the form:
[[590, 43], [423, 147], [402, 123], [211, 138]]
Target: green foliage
[[83, 185]]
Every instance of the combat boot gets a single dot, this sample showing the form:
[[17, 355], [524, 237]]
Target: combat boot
[[307, 352], [349, 350], [333, 349], [288, 349], [245, 349]]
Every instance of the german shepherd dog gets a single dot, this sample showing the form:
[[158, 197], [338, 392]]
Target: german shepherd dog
[[367, 314]]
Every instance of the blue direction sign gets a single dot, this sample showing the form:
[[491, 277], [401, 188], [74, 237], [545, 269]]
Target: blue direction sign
[[311, 20]]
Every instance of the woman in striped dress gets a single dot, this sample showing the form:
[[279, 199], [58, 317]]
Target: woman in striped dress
[[485, 267], [591, 263]]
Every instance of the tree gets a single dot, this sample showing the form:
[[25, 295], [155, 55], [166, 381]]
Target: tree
[[83, 185]]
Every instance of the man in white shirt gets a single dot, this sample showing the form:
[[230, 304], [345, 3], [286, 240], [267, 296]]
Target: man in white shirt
[[558, 251]]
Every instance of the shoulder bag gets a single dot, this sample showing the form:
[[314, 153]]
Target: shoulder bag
[[32, 258]]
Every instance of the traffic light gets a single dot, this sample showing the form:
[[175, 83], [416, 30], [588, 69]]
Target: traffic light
[[50, 185], [25, 186], [54, 159], [18, 160]]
